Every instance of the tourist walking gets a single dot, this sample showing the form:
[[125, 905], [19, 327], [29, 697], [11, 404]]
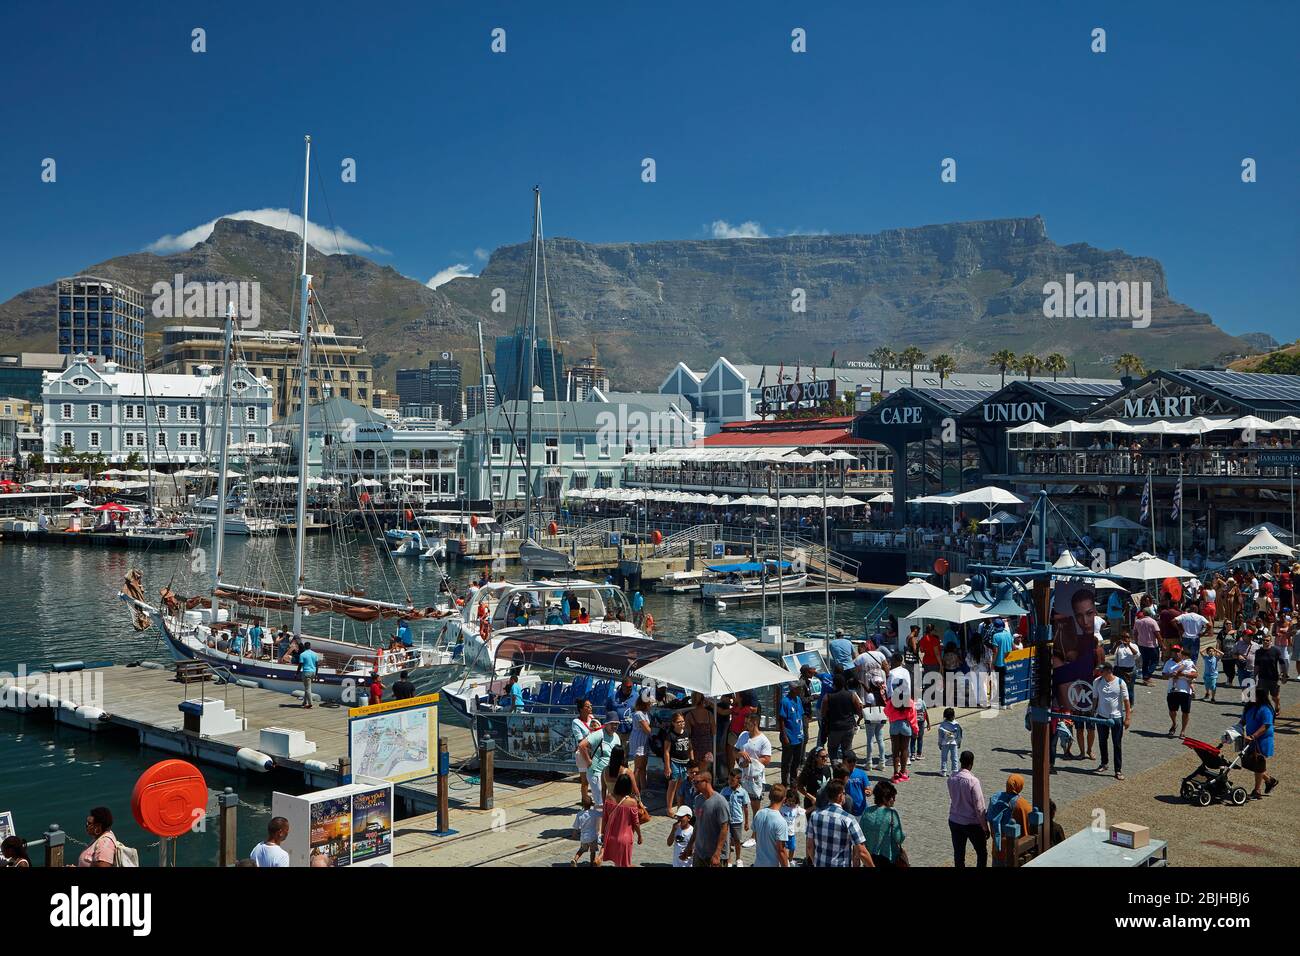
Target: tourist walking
[[308, 662], [950, 733], [1113, 714], [793, 731], [699, 724], [621, 819], [1257, 721], [1181, 672], [679, 836], [1146, 631], [834, 835], [597, 749], [638, 744], [708, 843], [839, 715], [966, 813], [771, 832], [677, 757], [270, 852], [882, 828], [583, 726], [753, 753], [1126, 661], [102, 851], [1268, 670]]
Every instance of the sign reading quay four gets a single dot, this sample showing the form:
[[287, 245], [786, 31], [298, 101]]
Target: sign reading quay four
[[799, 392]]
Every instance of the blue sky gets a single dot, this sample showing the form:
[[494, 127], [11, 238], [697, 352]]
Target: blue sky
[[1139, 148]]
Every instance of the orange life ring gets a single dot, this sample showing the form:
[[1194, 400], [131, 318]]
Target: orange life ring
[[484, 629], [552, 528], [169, 797], [410, 515]]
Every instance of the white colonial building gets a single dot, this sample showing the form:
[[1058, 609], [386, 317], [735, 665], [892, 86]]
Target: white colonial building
[[166, 419]]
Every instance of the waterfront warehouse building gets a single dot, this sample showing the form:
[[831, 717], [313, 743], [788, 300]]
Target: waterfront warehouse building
[[101, 409], [101, 317]]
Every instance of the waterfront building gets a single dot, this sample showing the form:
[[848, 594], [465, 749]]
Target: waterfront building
[[101, 317], [169, 419], [339, 364], [736, 392], [329, 421], [575, 445], [410, 460], [510, 368]]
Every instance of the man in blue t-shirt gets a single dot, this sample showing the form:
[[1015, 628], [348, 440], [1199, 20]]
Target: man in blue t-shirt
[[842, 652], [790, 721], [404, 634], [638, 608], [308, 662], [858, 785], [1002, 643]]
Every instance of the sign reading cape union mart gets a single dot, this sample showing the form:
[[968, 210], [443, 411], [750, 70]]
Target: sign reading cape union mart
[[815, 392]]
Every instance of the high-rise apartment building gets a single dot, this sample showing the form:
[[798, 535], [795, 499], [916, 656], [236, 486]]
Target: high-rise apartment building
[[101, 317]]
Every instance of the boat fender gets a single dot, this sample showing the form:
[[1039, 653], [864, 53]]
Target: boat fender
[[320, 766], [245, 682], [315, 698], [12, 697], [249, 759], [722, 605], [153, 665], [65, 666], [42, 699], [90, 714]]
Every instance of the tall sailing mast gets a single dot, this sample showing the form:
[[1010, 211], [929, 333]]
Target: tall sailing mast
[[530, 359], [219, 528], [304, 335]]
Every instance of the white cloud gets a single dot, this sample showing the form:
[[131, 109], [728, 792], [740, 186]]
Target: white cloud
[[746, 230], [446, 275], [328, 241], [481, 254]]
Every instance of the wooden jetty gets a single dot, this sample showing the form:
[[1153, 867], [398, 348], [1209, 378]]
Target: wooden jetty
[[145, 701]]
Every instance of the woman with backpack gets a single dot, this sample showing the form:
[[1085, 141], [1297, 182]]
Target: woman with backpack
[[103, 844]]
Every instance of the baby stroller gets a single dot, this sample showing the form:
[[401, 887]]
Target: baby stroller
[[1209, 782]]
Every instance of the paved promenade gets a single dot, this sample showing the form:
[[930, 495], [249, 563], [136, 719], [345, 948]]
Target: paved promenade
[[530, 825]]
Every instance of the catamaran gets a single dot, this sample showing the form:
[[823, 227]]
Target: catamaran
[[199, 628]]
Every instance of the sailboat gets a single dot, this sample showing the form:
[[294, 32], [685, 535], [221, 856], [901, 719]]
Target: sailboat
[[536, 557], [193, 631]]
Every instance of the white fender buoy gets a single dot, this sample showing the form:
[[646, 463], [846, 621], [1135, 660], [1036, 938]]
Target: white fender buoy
[[13, 697], [318, 765], [249, 759], [153, 665], [722, 605], [245, 682]]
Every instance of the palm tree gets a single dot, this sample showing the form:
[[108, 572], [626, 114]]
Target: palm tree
[[945, 365], [1056, 364], [1002, 360], [884, 357], [911, 357], [1129, 365], [1029, 364]]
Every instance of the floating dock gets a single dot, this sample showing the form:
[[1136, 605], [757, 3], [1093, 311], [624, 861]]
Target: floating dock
[[145, 701]]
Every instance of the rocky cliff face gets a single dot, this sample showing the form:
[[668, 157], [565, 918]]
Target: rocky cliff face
[[963, 288]]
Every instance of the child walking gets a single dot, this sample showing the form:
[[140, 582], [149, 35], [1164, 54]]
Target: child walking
[[949, 742], [738, 800], [587, 825], [1210, 671], [917, 744]]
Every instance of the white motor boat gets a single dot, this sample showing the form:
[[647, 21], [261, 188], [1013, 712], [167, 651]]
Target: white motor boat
[[744, 578]]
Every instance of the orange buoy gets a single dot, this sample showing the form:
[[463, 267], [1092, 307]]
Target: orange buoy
[[473, 521], [365, 497], [410, 515], [552, 528], [657, 536], [648, 625], [169, 797]]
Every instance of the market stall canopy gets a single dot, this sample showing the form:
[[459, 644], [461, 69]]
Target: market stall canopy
[[1118, 523], [716, 663], [1264, 545], [915, 590], [1275, 530], [1147, 567]]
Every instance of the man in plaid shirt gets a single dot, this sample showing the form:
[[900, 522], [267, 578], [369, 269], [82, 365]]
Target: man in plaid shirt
[[834, 836]]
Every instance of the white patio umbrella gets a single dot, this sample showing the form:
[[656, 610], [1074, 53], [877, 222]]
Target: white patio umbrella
[[1067, 560], [716, 663], [884, 498], [990, 496], [1147, 567], [948, 608], [1252, 422], [1288, 423], [1264, 545], [841, 455], [365, 483], [744, 501], [764, 501], [816, 457], [916, 589], [77, 505], [1030, 428], [1275, 530]]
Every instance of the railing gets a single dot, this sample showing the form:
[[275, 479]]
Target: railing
[[596, 533], [756, 482], [831, 563], [1162, 462], [679, 543]]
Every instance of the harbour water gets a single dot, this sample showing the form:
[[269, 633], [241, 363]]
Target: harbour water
[[59, 604]]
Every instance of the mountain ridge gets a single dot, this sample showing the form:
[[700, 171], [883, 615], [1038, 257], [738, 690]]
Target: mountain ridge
[[966, 288]]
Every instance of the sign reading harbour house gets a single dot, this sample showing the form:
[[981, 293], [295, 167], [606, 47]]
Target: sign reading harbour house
[[815, 392]]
